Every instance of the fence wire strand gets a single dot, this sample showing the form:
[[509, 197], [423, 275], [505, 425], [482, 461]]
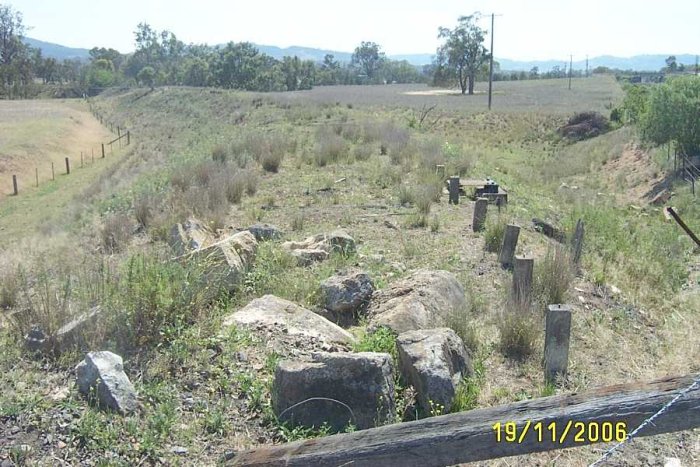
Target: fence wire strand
[[608, 454]]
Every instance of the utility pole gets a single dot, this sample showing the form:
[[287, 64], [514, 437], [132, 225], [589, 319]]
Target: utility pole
[[696, 65], [586, 65], [491, 64], [571, 62]]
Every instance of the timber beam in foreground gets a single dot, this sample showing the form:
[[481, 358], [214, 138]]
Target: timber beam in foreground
[[470, 436]]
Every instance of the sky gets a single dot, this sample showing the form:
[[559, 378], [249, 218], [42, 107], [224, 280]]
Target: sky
[[527, 29]]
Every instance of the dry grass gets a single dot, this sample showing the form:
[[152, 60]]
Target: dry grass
[[553, 276]]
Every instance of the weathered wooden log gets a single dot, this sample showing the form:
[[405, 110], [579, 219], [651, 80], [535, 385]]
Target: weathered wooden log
[[549, 230], [479, 219], [510, 241], [471, 436], [522, 280], [556, 341]]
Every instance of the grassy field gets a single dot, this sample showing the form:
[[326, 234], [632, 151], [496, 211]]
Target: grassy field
[[356, 158]]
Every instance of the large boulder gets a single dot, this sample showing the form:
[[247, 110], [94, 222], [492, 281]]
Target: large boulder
[[102, 374], [337, 389], [189, 236], [319, 247], [433, 361], [279, 315], [422, 300], [265, 232], [225, 262], [347, 293]]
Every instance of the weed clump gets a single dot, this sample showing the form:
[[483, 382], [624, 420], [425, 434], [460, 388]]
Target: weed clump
[[493, 234], [553, 276]]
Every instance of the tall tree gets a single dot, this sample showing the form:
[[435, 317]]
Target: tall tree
[[369, 58], [463, 52], [15, 61]]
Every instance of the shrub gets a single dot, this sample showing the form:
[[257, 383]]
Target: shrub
[[406, 195], [518, 329], [271, 161], [493, 234], [362, 152], [220, 153], [585, 125], [9, 289], [116, 232], [381, 340], [251, 182], [459, 322], [144, 209], [553, 276], [235, 186], [329, 147]]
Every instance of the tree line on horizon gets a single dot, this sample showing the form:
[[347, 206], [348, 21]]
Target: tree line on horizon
[[160, 58]]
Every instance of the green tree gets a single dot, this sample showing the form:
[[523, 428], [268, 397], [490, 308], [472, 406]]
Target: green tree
[[463, 53], [674, 114], [369, 58], [16, 70], [147, 76]]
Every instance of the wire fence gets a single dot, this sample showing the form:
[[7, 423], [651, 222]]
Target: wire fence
[[87, 157], [609, 453]]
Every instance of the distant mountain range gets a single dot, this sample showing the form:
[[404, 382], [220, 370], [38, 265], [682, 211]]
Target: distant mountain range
[[637, 62]]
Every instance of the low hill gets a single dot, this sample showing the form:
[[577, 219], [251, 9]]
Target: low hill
[[59, 52]]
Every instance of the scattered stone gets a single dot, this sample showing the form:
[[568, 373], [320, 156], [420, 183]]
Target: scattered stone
[[70, 335], [335, 388], [615, 290], [347, 292], [308, 256], [672, 462], [189, 236], [318, 247], [179, 450], [433, 361], [276, 314], [103, 372], [35, 340], [422, 300], [264, 232]]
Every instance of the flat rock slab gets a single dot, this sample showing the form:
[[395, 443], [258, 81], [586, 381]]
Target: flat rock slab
[[433, 361], [422, 300], [70, 335], [277, 314], [103, 373], [337, 389], [189, 236]]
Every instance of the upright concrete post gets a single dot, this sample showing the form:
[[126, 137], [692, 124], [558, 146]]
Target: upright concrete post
[[454, 190], [510, 241], [479, 219], [556, 341], [14, 185], [522, 280]]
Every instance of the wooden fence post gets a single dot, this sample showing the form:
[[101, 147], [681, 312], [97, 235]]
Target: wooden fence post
[[454, 190], [510, 241], [81, 159], [36, 173], [577, 243], [103, 150], [119, 135], [479, 218], [128, 138], [522, 280], [440, 171], [67, 166], [14, 185], [53, 173], [556, 341]]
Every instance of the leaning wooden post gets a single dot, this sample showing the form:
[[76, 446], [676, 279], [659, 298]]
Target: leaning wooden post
[[454, 190], [510, 241], [67, 166], [522, 280], [479, 219], [14, 185], [556, 341], [577, 243], [103, 150]]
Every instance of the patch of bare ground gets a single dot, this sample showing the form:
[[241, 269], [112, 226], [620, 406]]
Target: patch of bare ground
[[633, 176]]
